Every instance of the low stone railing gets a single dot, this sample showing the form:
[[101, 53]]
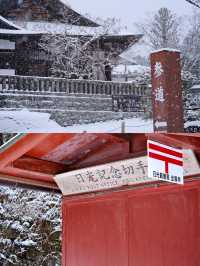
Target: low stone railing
[[53, 85]]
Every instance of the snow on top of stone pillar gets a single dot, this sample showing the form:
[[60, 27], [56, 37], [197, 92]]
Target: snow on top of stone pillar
[[166, 50]]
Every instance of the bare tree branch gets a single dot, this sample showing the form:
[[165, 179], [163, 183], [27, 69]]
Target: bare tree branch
[[194, 2], [162, 30]]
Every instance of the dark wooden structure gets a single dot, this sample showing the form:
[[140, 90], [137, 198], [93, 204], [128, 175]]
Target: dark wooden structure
[[17, 48], [43, 10], [28, 58]]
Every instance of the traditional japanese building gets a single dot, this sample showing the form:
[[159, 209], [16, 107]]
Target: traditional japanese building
[[30, 20], [13, 40]]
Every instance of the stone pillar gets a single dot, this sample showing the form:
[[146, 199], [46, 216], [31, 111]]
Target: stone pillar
[[167, 91]]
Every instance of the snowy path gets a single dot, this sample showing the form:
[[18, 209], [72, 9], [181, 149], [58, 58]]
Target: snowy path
[[133, 125], [26, 121]]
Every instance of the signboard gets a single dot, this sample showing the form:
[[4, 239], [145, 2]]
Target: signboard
[[165, 163], [102, 177], [166, 91], [130, 172]]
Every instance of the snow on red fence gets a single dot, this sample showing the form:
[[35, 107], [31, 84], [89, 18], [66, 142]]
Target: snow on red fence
[[49, 84]]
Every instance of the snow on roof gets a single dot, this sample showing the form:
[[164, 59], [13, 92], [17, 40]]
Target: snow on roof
[[15, 29], [61, 28], [9, 23], [141, 49], [66, 3], [125, 61], [18, 32], [89, 20], [130, 69]]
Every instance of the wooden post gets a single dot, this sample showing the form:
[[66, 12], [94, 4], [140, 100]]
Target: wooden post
[[167, 91], [123, 129]]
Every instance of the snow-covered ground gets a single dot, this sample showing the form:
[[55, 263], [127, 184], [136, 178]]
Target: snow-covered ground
[[133, 125], [26, 121], [23, 121]]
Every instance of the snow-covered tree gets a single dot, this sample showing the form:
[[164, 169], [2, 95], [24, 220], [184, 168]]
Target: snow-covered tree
[[191, 46], [76, 52], [30, 226], [162, 29]]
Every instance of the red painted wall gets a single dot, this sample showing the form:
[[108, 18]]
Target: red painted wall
[[148, 227]]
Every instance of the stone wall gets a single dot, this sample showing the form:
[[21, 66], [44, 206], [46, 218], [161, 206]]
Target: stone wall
[[70, 101], [64, 109]]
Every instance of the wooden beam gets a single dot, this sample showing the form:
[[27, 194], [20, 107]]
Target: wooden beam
[[19, 148], [110, 152], [75, 149], [185, 141], [49, 144], [34, 176], [28, 183], [38, 165]]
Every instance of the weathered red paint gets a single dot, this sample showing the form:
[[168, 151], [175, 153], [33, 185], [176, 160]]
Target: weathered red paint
[[143, 227], [33, 159], [170, 110], [153, 226]]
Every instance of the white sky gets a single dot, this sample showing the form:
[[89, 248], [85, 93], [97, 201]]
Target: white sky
[[130, 11]]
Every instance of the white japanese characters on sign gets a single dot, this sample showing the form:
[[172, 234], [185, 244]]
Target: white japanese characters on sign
[[159, 95], [158, 69], [165, 163], [101, 177]]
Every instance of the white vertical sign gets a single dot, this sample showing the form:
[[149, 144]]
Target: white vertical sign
[[165, 163]]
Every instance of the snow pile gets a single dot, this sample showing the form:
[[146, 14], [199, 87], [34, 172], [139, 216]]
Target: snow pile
[[26, 121]]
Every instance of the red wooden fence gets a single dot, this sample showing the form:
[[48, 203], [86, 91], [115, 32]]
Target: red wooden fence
[[146, 227]]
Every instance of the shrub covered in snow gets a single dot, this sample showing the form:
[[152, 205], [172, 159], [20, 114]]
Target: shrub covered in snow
[[29, 227]]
